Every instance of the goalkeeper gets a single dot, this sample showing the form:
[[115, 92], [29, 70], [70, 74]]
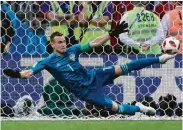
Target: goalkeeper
[[86, 84]]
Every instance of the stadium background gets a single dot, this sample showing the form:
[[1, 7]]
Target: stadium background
[[29, 43]]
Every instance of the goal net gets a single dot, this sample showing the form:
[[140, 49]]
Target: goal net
[[25, 36]]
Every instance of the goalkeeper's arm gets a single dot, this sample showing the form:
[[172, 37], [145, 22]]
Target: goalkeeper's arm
[[37, 67], [120, 28], [99, 41], [16, 74]]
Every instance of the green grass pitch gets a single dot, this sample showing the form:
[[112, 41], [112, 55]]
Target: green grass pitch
[[92, 125]]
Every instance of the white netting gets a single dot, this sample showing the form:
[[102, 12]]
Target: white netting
[[25, 31]]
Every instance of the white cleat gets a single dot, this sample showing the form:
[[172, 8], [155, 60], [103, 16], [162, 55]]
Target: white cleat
[[145, 109], [165, 57]]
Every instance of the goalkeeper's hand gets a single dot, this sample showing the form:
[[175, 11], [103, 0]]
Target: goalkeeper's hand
[[120, 28], [11, 73]]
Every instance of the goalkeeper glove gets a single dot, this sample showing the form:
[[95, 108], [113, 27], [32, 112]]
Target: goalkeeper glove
[[11, 73], [120, 28]]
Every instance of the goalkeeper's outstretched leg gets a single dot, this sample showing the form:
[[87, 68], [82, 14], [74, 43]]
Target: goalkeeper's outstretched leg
[[108, 74], [124, 69]]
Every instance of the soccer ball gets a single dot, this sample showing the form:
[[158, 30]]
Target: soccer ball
[[170, 45], [24, 105]]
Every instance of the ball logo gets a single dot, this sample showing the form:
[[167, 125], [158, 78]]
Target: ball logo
[[172, 43]]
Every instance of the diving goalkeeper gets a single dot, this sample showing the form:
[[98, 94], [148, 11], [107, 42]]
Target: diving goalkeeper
[[85, 84]]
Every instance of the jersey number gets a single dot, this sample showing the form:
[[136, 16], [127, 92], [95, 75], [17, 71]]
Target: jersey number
[[145, 17]]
